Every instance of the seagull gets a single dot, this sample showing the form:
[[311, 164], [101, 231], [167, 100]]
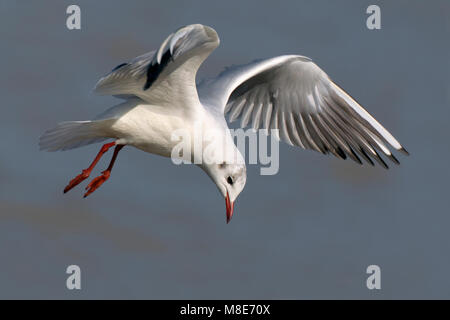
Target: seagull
[[288, 95]]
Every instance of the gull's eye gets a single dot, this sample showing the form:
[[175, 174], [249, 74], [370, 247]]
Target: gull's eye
[[230, 180]]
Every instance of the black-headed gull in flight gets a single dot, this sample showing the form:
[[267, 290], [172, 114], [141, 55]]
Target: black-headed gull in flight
[[289, 93]]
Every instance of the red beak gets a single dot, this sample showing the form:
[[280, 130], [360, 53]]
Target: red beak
[[230, 208]]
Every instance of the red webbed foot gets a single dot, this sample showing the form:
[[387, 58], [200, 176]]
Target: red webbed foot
[[86, 172], [77, 180], [97, 182]]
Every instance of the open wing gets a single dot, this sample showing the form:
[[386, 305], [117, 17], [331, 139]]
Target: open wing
[[292, 94], [164, 75]]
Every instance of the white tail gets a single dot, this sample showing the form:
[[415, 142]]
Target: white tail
[[72, 134]]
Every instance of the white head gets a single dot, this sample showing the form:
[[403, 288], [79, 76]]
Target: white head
[[230, 179]]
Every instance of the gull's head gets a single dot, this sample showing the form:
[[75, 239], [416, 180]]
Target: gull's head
[[230, 179]]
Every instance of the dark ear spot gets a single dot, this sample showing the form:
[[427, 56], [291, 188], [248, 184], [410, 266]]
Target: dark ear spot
[[230, 180], [222, 165]]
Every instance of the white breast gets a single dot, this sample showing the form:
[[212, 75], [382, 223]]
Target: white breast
[[152, 129]]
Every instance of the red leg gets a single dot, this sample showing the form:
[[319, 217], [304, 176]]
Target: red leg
[[98, 181], [86, 172]]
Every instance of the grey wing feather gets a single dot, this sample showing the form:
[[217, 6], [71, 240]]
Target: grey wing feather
[[142, 74], [126, 78], [306, 107]]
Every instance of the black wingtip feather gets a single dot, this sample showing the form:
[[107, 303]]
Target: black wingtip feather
[[154, 70], [119, 66], [403, 150], [341, 153], [366, 157], [394, 159], [381, 161], [356, 158]]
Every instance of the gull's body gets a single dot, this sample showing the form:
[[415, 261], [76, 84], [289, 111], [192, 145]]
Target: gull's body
[[288, 93], [149, 128]]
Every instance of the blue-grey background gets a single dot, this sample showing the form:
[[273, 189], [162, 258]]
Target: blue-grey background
[[156, 230]]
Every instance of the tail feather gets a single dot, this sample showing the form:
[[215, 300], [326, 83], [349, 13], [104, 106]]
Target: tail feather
[[71, 134]]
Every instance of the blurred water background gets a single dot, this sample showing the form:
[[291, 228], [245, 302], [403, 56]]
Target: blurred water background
[[156, 230]]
